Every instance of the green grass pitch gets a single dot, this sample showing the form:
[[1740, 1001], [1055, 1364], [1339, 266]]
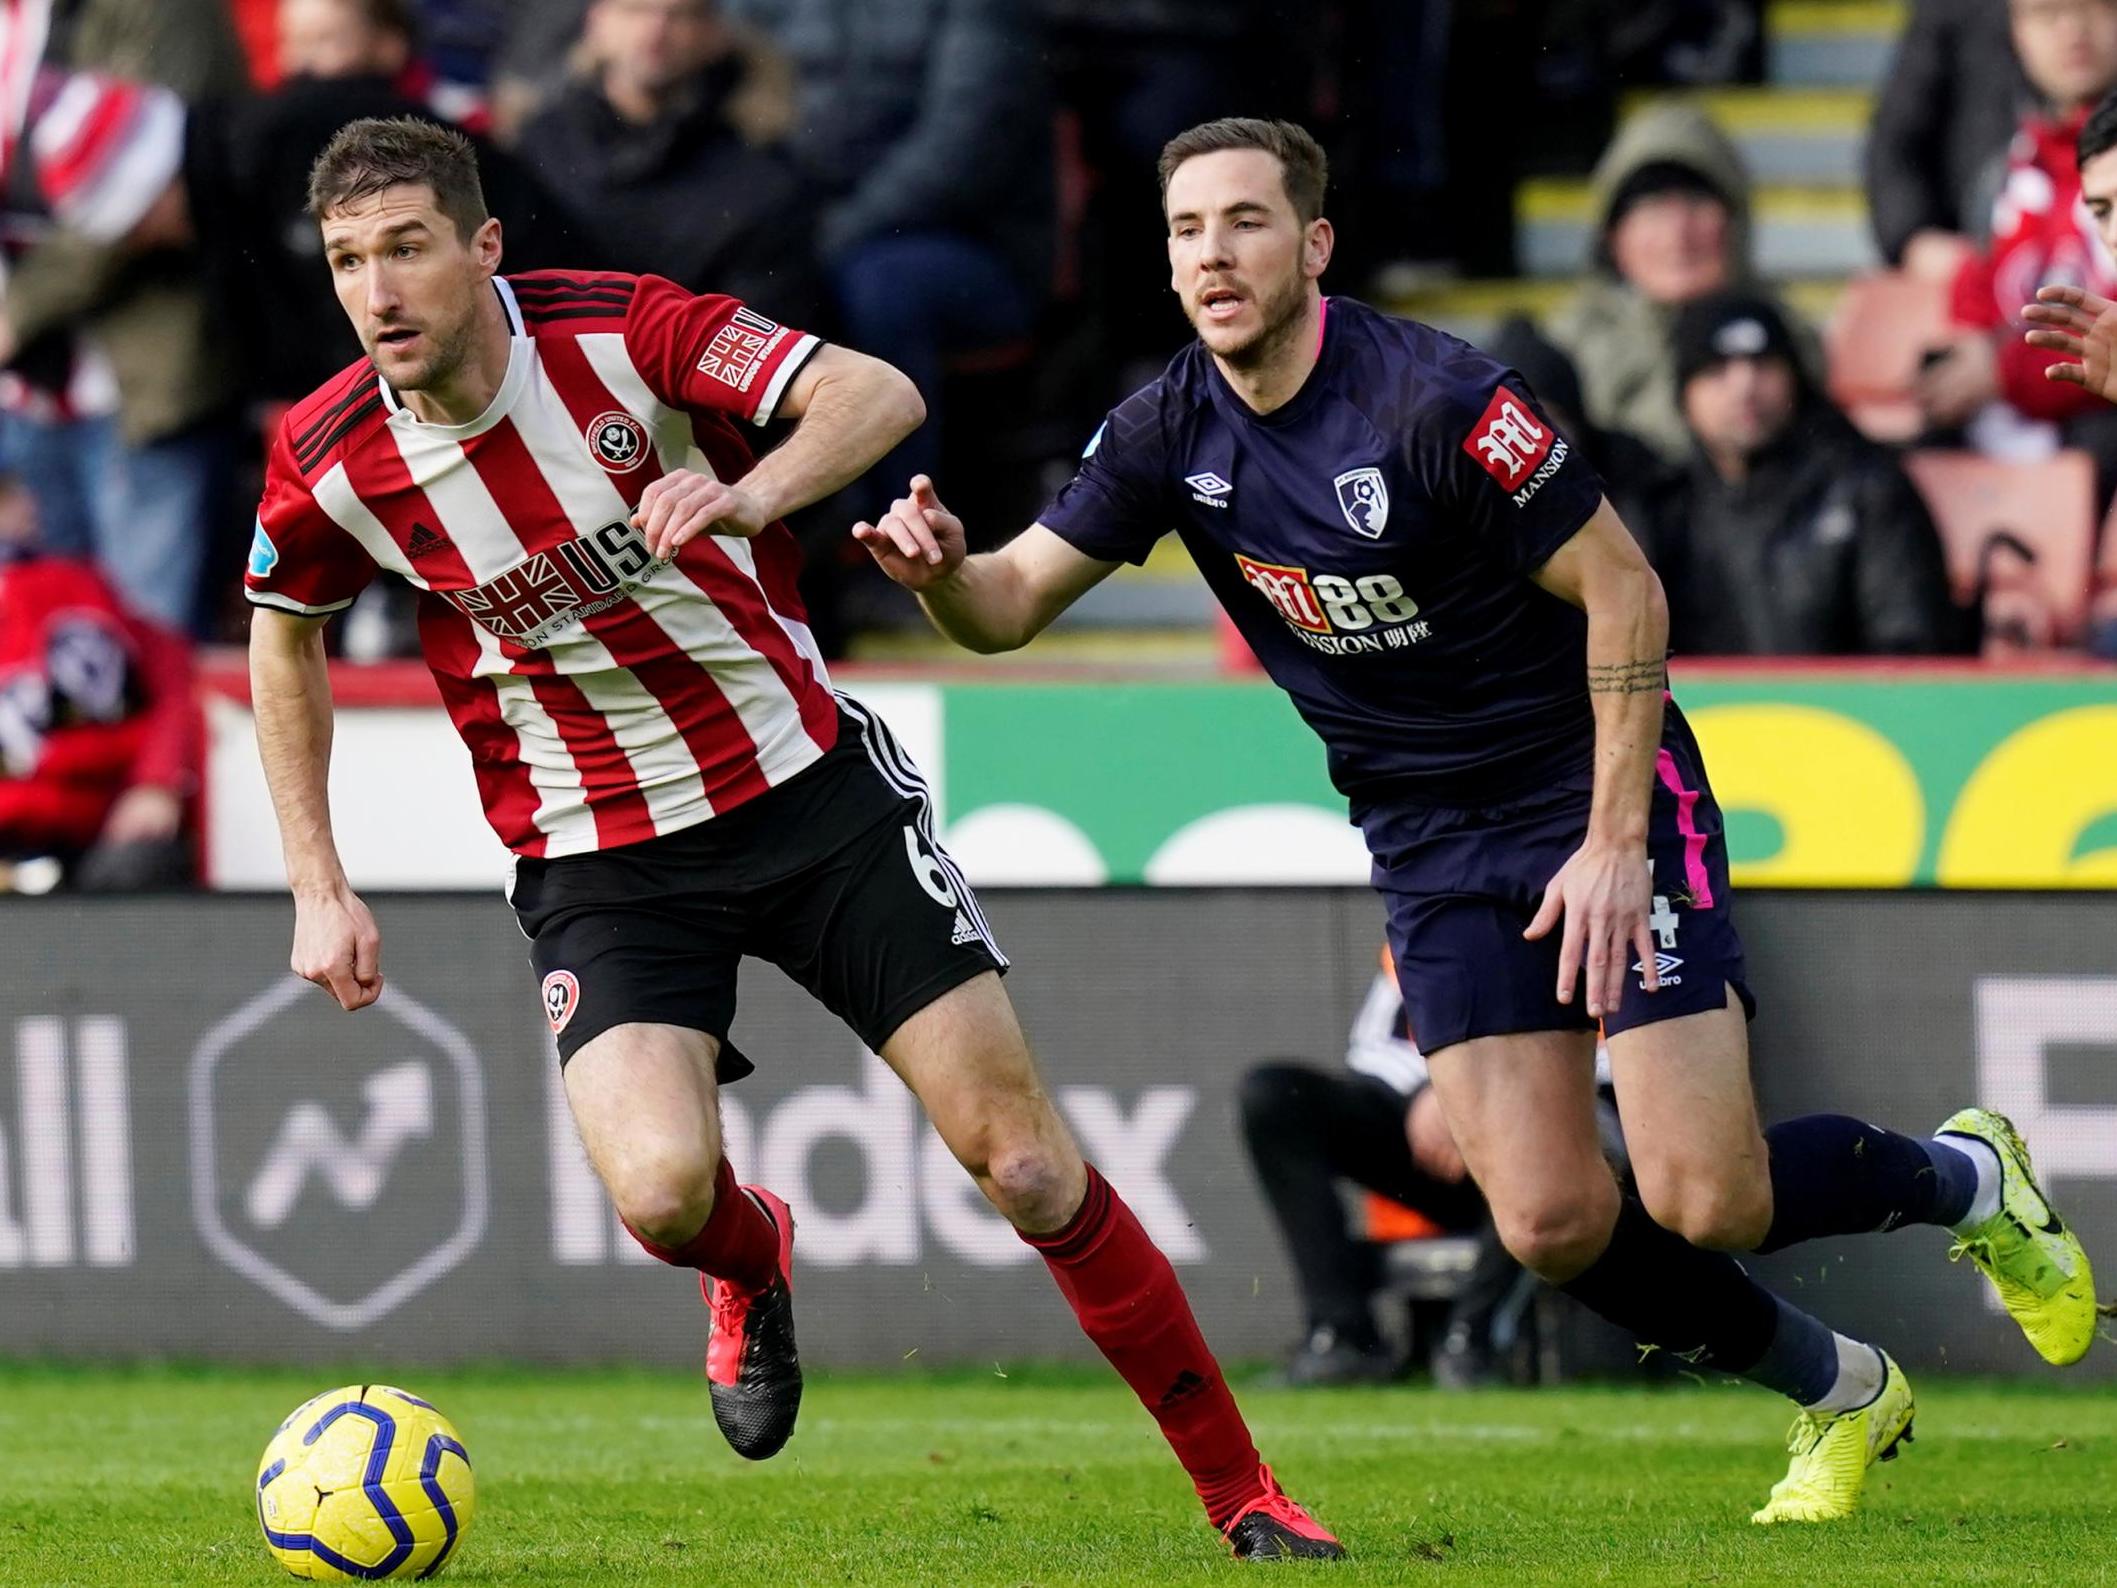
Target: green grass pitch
[[139, 1478]]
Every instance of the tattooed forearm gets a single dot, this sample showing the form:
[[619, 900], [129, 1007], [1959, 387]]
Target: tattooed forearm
[[1626, 678]]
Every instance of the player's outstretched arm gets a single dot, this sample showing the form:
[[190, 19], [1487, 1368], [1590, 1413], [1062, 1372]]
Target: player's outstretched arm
[[849, 411], [336, 944], [1603, 892], [996, 601], [2077, 323]]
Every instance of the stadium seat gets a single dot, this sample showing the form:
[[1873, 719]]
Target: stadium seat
[[2102, 600], [2019, 538], [1872, 346]]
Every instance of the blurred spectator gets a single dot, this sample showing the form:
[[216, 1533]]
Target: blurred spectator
[[1131, 74], [247, 179], [344, 38], [1377, 1125], [100, 739], [334, 40], [1672, 224], [117, 263], [926, 127], [189, 46], [1632, 472], [532, 61], [1987, 380], [1940, 133], [643, 149], [1789, 534]]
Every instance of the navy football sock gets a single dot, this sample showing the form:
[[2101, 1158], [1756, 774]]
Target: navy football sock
[[1835, 1175], [1703, 1307]]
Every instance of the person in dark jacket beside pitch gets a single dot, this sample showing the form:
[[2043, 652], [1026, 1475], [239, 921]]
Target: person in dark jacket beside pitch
[[1789, 533]]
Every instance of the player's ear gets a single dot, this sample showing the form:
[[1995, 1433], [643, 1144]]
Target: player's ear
[[485, 245], [1316, 247]]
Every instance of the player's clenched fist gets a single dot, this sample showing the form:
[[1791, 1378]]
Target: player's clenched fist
[[681, 505], [919, 542], [338, 947]]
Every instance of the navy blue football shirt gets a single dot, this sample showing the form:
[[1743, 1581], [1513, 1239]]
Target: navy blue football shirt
[[1372, 539]]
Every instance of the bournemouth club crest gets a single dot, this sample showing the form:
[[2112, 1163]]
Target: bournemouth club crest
[[618, 441], [1364, 500]]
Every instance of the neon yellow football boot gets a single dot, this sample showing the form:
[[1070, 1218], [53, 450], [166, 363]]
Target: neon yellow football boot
[[2034, 1262], [1833, 1450]]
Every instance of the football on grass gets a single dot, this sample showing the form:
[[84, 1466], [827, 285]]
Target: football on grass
[[364, 1483]]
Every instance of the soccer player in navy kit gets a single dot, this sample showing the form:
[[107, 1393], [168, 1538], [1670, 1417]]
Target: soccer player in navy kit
[[1419, 559]]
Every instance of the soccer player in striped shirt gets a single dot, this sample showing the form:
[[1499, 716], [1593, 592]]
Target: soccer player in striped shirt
[[557, 463], [1437, 580]]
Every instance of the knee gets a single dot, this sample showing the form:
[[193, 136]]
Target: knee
[[667, 1201], [1558, 1240], [1033, 1184], [1714, 1208]]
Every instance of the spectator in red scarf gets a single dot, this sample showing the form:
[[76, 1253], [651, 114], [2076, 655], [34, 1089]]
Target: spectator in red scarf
[[100, 736]]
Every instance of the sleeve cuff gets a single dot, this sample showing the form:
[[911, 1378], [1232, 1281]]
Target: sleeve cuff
[[782, 377], [272, 598]]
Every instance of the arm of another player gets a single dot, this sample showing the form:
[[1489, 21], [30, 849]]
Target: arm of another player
[[995, 601], [1604, 890], [336, 944], [849, 409], [2082, 326]]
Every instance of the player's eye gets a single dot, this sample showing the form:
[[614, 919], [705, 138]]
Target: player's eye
[[406, 250]]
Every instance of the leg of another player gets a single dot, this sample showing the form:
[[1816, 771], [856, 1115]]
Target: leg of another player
[[648, 1109], [1705, 1172], [1522, 1109], [965, 1057], [1714, 1178]]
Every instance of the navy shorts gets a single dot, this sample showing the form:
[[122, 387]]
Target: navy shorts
[[1461, 885]]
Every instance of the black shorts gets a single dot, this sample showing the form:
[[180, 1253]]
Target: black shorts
[[834, 876]]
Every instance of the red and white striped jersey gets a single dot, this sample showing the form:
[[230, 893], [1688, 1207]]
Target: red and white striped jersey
[[606, 696]]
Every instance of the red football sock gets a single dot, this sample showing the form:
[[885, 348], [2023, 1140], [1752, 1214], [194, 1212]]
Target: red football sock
[[737, 1243], [1126, 1296]]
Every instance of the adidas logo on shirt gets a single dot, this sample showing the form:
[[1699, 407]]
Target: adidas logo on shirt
[[965, 932], [422, 542]]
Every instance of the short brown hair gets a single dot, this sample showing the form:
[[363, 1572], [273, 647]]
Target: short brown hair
[[376, 152], [1303, 166]]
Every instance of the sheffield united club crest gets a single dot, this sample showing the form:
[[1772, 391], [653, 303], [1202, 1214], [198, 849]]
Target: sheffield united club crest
[[617, 441]]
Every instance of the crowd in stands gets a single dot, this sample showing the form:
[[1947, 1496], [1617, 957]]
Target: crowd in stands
[[965, 187]]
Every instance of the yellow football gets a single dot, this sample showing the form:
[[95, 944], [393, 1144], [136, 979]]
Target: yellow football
[[364, 1483]]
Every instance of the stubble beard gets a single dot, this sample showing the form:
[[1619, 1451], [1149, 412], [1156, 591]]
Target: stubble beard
[[1281, 314], [446, 361]]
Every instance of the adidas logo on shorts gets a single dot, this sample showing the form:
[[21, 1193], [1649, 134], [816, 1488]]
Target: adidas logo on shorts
[[965, 932]]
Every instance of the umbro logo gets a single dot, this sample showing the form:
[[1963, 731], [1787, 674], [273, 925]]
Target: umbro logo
[[965, 932], [422, 542], [1664, 966], [1208, 488]]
